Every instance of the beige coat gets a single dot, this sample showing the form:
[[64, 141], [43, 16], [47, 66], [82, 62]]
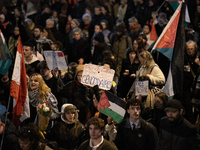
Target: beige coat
[[157, 78]]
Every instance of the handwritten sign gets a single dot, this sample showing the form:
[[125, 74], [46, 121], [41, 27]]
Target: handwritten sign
[[142, 87], [55, 59], [97, 75]]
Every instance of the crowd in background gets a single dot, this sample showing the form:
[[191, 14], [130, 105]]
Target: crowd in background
[[111, 33]]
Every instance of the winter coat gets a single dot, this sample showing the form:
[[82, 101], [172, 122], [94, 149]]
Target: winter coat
[[33, 63], [68, 141], [119, 48], [106, 145], [188, 75], [143, 137], [78, 95], [113, 9], [78, 49], [157, 79], [127, 81], [98, 53], [180, 135]]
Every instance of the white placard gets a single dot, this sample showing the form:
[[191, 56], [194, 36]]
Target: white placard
[[142, 88], [97, 75], [55, 59]]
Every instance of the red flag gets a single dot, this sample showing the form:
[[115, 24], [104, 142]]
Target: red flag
[[18, 88], [153, 34]]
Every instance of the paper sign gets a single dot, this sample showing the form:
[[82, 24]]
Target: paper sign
[[97, 75], [142, 87], [55, 59]]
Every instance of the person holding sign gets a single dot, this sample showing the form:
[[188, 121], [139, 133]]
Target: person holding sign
[[152, 72]]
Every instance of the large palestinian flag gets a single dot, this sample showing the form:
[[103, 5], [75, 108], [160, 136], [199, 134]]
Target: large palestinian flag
[[113, 106]]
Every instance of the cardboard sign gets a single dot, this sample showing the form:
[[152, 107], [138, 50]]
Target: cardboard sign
[[55, 59], [97, 75], [142, 87]]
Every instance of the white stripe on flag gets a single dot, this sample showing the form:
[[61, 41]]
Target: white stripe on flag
[[168, 89], [17, 68], [187, 18], [26, 109], [116, 108]]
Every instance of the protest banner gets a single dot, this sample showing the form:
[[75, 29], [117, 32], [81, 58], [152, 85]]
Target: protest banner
[[97, 75], [142, 88], [55, 59]]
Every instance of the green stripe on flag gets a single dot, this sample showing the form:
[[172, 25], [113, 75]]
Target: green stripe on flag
[[174, 4], [168, 52], [115, 116]]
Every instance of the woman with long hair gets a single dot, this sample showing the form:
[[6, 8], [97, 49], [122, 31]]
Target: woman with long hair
[[128, 72], [49, 35], [153, 74], [67, 132], [39, 93]]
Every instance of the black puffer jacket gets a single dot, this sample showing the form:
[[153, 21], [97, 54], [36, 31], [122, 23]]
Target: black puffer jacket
[[180, 135]]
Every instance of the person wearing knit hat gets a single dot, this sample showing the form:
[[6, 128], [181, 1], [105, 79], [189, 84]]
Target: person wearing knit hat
[[173, 105], [175, 132], [67, 132], [79, 71], [105, 30]]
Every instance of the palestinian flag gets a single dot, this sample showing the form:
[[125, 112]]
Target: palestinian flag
[[5, 58], [175, 4], [171, 43], [165, 42], [113, 106]]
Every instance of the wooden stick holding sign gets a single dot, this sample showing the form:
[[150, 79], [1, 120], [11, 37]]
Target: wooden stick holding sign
[[97, 75]]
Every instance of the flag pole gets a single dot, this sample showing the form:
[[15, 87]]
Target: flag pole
[[160, 6], [5, 123]]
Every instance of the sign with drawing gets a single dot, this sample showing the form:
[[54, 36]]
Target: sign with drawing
[[55, 59], [142, 88]]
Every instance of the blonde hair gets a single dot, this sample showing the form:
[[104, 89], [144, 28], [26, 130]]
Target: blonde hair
[[43, 88], [149, 58]]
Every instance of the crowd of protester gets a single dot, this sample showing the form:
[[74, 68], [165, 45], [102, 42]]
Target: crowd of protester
[[110, 33]]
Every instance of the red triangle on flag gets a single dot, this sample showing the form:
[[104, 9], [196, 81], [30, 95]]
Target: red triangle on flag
[[103, 102]]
